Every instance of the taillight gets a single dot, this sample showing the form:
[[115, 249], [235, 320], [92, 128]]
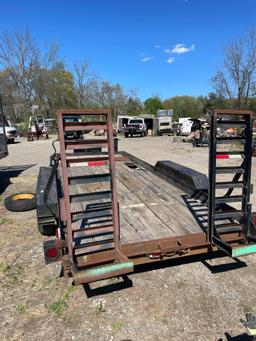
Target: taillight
[[52, 253]]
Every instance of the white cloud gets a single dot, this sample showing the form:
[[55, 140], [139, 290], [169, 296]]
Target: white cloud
[[170, 60], [157, 46], [180, 48], [146, 59], [167, 50]]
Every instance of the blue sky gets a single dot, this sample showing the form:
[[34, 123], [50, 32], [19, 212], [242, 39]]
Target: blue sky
[[130, 41]]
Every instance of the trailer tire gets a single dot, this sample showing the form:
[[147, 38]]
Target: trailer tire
[[20, 202]]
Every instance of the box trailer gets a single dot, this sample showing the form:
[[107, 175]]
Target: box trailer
[[121, 122]]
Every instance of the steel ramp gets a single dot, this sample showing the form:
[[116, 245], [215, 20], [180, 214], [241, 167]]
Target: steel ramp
[[89, 163], [224, 218]]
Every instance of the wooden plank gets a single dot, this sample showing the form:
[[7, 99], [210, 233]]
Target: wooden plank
[[164, 208], [161, 188], [89, 188], [150, 208]]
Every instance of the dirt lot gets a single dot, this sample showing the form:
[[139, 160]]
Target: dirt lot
[[198, 301]]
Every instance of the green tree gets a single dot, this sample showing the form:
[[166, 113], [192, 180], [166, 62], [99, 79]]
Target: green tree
[[59, 91], [134, 106], [185, 106], [152, 104]]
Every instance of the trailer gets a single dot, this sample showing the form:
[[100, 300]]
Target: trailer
[[110, 211]]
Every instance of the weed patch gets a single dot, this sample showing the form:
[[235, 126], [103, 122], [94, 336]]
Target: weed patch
[[12, 274], [59, 306], [248, 309], [21, 309], [4, 221], [117, 326]]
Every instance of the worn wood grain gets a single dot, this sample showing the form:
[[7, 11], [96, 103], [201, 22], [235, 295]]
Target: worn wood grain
[[150, 207]]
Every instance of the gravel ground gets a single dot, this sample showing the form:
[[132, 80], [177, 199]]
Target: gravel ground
[[202, 300]]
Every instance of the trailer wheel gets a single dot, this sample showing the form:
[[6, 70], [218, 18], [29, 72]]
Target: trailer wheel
[[20, 202]]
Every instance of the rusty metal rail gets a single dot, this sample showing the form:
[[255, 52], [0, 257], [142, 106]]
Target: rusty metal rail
[[93, 251], [103, 237]]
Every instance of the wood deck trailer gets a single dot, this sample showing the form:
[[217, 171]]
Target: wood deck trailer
[[111, 211]]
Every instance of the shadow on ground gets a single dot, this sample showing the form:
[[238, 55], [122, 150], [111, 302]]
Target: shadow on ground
[[230, 264], [8, 172], [109, 288], [241, 337]]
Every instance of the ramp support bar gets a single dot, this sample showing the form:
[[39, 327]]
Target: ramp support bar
[[103, 272]]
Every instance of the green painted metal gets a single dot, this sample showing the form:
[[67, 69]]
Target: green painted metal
[[102, 270], [243, 250]]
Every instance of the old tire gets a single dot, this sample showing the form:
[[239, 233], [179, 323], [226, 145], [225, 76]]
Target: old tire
[[20, 202]]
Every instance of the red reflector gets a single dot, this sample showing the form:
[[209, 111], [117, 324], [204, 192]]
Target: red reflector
[[222, 156], [96, 163], [52, 252], [155, 255]]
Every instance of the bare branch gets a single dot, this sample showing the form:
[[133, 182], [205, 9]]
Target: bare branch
[[237, 76]]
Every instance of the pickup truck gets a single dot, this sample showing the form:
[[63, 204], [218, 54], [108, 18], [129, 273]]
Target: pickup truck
[[10, 132], [135, 126]]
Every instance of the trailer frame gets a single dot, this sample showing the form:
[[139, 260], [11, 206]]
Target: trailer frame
[[122, 258]]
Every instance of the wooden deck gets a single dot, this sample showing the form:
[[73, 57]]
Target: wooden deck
[[150, 207]]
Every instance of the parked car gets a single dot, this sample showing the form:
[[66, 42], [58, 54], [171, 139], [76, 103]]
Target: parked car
[[3, 144], [135, 126], [10, 132]]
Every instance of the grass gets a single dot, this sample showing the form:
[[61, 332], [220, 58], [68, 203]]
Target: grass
[[21, 309], [12, 274], [48, 282], [3, 267], [4, 221], [117, 326], [59, 306], [248, 309]]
